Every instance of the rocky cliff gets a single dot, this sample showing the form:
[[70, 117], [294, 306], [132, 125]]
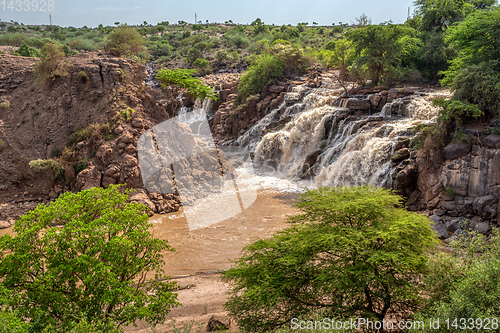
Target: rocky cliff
[[459, 187]]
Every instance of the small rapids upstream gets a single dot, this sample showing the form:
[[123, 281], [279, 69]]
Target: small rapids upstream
[[315, 140]]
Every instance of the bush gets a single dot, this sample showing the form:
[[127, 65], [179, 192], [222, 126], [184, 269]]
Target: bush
[[28, 51], [265, 69], [83, 259], [202, 65], [479, 85], [351, 252], [49, 167], [52, 64], [456, 112], [94, 133], [124, 41], [291, 55], [464, 284], [4, 104]]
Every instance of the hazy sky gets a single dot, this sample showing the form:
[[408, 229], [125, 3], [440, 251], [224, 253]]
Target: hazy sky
[[93, 12]]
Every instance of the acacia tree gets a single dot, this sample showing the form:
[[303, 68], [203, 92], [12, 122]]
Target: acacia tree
[[86, 257], [351, 253], [124, 41], [183, 80], [380, 48]]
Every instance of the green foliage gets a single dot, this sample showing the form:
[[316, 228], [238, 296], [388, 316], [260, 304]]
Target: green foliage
[[52, 64], [184, 79], [292, 56], [479, 85], [55, 152], [464, 284], [380, 49], [456, 112], [341, 56], [127, 114], [4, 104], [28, 51], [351, 252], [202, 65], [50, 167], [15, 39], [265, 69], [477, 40], [428, 137], [86, 258], [94, 133], [124, 41]]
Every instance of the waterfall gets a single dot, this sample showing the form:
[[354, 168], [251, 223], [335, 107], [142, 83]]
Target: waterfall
[[312, 137]]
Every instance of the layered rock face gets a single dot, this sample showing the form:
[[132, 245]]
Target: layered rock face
[[464, 182]]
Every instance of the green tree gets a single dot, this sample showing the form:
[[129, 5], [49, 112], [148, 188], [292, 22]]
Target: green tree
[[477, 40], [124, 41], [86, 257], [351, 253], [474, 74], [183, 79], [441, 14], [379, 49]]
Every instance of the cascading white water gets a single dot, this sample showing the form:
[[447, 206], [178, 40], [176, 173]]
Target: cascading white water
[[331, 145]]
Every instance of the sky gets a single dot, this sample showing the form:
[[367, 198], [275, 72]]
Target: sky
[[91, 13]]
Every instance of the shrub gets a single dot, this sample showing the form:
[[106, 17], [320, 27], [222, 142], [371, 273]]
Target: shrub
[[456, 112], [428, 137], [291, 55], [202, 65], [56, 152], [82, 261], [480, 85], [351, 252], [464, 284], [52, 64], [4, 104], [28, 51], [95, 134], [49, 167], [265, 69], [124, 41], [15, 39]]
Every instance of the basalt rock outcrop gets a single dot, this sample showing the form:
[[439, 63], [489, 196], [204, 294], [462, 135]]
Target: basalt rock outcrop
[[461, 182]]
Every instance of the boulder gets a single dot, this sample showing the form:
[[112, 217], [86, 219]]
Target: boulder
[[441, 230], [358, 104], [485, 206], [492, 141], [455, 150], [88, 178], [483, 228], [216, 323], [401, 155], [457, 224]]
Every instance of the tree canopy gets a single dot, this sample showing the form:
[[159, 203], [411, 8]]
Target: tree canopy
[[184, 80], [86, 257], [380, 48], [351, 252]]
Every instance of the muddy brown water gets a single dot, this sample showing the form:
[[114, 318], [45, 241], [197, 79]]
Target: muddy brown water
[[213, 248]]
